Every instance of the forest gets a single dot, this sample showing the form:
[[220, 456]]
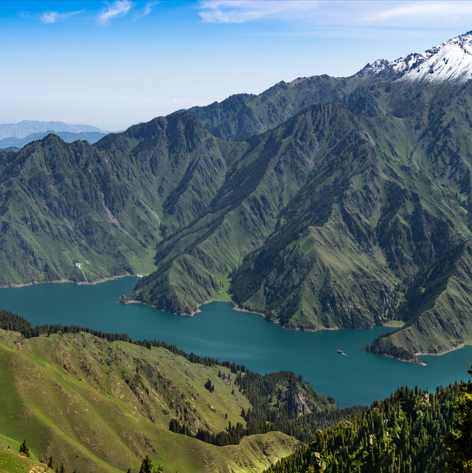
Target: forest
[[412, 431]]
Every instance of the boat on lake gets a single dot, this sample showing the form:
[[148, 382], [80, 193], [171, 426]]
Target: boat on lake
[[340, 352]]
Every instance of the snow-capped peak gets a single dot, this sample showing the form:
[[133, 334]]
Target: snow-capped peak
[[373, 69], [450, 61]]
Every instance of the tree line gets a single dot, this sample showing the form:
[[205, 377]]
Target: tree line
[[17, 323], [272, 410]]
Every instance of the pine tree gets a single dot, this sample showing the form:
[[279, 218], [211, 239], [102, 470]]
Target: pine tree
[[51, 462], [24, 448], [63, 468], [146, 465], [459, 440]]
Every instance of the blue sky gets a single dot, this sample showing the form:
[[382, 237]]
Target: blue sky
[[116, 63]]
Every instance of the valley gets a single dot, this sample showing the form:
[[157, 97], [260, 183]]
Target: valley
[[326, 215], [266, 267]]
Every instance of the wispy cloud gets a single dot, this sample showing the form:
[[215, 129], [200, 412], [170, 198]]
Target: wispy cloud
[[423, 10], [49, 17], [325, 14], [144, 11], [114, 10], [242, 11]]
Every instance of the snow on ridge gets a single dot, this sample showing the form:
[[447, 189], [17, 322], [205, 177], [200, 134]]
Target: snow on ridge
[[370, 70], [450, 61]]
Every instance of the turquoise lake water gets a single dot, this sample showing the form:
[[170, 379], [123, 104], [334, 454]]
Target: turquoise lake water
[[223, 333]]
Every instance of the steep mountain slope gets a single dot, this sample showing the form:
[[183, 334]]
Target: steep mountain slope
[[402, 207], [381, 194], [174, 163], [104, 406], [436, 310], [27, 127], [105, 206], [61, 203], [90, 136], [272, 170]]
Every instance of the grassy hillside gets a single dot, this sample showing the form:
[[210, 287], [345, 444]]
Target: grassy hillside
[[14, 462], [101, 406], [441, 293]]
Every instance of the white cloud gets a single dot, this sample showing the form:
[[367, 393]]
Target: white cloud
[[116, 9], [423, 10], [145, 11], [326, 14], [242, 11], [50, 17]]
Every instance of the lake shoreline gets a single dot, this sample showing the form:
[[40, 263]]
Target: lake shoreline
[[415, 362], [220, 332], [155, 307], [64, 281]]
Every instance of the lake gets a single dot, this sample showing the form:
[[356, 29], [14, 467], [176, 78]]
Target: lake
[[221, 332]]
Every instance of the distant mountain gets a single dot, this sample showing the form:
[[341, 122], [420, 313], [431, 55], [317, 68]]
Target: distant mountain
[[92, 137], [28, 127]]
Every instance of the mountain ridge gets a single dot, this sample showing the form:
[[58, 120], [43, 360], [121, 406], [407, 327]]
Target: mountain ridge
[[68, 137]]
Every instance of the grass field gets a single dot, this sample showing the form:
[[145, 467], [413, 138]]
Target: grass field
[[101, 407]]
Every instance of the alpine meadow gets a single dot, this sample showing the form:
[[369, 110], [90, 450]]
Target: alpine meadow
[[323, 203]]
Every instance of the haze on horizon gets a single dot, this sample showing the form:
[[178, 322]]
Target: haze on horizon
[[114, 64]]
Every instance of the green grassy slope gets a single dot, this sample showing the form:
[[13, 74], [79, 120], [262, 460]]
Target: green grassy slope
[[101, 406], [271, 173], [13, 462]]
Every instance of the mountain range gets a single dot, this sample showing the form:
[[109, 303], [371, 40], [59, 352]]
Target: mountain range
[[67, 136], [28, 127], [320, 203]]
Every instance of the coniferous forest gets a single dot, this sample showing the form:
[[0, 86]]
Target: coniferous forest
[[405, 433]]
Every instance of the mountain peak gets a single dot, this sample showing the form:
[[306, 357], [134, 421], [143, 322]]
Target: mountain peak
[[451, 61], [370, 70]]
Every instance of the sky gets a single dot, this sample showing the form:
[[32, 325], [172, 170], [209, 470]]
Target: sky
[[116, 63]]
